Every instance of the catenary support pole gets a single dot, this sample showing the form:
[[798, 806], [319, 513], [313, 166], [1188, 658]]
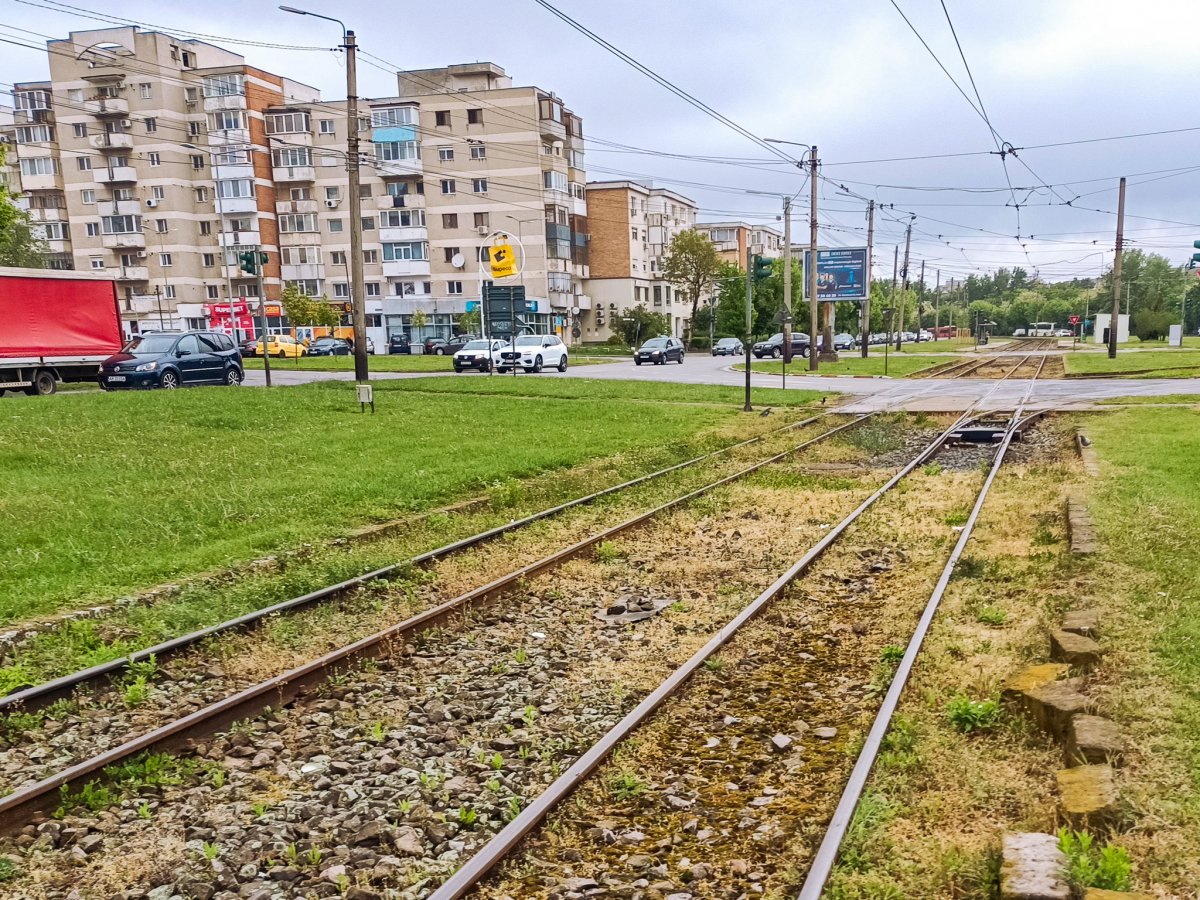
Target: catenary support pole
[[903, 283], [749, 319], [1116, 304], [811, 273], [866, 307], [787, 286], [358, 288]]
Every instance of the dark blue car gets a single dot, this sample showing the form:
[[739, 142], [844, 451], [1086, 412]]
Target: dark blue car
[[171, 360], [327, 346]]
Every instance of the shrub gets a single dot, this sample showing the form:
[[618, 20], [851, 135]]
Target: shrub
[[968, 715], [1088, 865]]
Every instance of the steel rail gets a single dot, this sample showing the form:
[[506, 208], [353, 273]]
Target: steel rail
[[1013, 370], [38, 696], [482, 862], [826, 855], [280, 690]]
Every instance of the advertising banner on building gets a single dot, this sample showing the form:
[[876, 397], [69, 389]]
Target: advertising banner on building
[[841, 274]]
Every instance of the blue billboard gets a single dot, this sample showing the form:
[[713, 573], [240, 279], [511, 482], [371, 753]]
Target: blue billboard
[[841, 273]]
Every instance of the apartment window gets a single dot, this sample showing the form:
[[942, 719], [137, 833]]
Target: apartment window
[[93, 229], [658, 295], [554, 181], [447, 185], [551, 109], [206, 228], [56, 231], [309, 287], [335, 226], [122, 193], [151, 125], [333, 193], [337, 257], [80, 129], [228, 157], [292, 223], [39, 165], [121, 224], [288, 123], [50, 200], [197, 161], [208, 259], [450, 253], [226, 119], [341, 290], [241, 187], [97, 262], [445, 154], [575, 159], [201, 195], [164, 260], [481, 220], [454, 287], [558, 249], [84, 163], [291, 156], [129, 259], [155, 159], [405, 250], [146, 90], [392, 116], [211, 291], [325, 126], [368, 223], [546, 151], [449, 220], [479, 185], [190, 94], [365, 191], [302, 256], [391, 151], [475, 116], [160, 226], [193, 128], [402, 218], [35, 134], [301, 194], [169, 292], [373, 289], [370, 256], [246, 224], [577, 190], [87, 197], [478, 151], [442, 117], [634, 233], [226, 85]]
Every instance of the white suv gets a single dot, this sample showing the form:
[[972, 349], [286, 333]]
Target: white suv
[[533, 351]]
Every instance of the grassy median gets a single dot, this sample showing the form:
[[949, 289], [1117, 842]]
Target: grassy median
[[1143, 363], [107, 493], [897, 365]]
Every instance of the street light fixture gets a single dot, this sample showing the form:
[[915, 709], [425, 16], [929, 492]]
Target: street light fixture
[[358, 288]]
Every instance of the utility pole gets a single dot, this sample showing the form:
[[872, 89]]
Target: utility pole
[[262, 317], [358, 287], [749, 319], [895, 266], [811, 276], [904, 282], [1116, 304], [937, 301], [866, 307], [787, 285], [921, 301]]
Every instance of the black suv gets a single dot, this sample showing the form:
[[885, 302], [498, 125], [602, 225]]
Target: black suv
[[398, 343], [173, 359], [773, 346]]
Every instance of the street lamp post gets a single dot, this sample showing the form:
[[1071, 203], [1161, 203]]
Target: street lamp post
[[811, 276], [358, 287]]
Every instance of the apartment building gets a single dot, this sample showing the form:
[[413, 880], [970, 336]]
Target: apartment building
[[154, 161], [632, 226], [732, 240]]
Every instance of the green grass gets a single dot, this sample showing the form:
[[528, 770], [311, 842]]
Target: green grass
[[388, 363], [602, 389], [106, 493], [1159, 363], [850, 363], [1163, 398]]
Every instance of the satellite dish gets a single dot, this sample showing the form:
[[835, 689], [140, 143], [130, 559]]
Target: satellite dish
[[575, 310], [457, 260]]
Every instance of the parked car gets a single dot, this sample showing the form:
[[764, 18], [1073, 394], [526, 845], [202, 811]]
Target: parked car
[[249, 347], [728, 347], [329, 346], [174, 360], [349, 339], [1064, 332], [478, 354], [773, 346], [1018, 332], [926, 335], [532, 352], [659, 350], [456, 343], [843, 341], [281, 345], [435, 346], [398, 343]]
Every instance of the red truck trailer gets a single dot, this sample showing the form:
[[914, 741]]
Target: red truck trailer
[[55, 327]]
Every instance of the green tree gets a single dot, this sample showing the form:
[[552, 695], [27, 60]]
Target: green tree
[[691, 264], [302, 310], [19, 243], [638, 324], [416, 322], [470, 322]]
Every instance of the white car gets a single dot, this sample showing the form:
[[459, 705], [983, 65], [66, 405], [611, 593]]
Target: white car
[[480, 355], [532, 352], [1064, 332]]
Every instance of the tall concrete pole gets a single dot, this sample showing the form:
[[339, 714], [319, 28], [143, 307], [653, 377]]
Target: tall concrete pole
[[812, 274], [866, 307], [904, 282], [1116, 304], [358, 287], [787, 284]]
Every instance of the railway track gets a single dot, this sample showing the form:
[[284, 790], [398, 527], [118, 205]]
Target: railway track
[[998, 367], [276, 692]]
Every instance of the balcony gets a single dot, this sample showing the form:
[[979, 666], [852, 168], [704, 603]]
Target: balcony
[[229, 136], [295, 173], [115, 175], [292, 138], [412, 233], [403, 267], [131, 273], [398, 168], [583, 302], [232, 172], [551, 130], [39, 182], [119, 207], [48, 215], [126, 241], [224, 101], [303, 271], [235, 271], [296, 206], [403, 201], [106, 106], [112, 141], [230, 205], [240, 239], [301, 238]]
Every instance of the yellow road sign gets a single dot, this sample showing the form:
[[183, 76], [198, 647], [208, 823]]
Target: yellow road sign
[[503, 260]]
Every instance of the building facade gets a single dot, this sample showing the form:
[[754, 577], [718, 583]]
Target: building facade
[[632, 226], [155, 161], [734, 239]]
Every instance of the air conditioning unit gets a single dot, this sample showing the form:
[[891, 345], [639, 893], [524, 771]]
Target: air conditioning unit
[[126, 123], [481, 229], [142, 254], [152, 203], [332, 204]]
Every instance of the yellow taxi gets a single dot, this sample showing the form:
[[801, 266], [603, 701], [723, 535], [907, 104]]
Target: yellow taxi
[[281, 345]]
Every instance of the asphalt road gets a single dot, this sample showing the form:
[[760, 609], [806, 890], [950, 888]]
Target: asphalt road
[[864, 394]]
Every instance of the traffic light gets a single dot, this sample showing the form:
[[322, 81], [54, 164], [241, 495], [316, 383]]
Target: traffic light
[[250, 260], [762, 267]]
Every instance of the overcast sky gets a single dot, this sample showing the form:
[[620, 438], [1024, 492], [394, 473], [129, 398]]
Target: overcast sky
[[849, 76]]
